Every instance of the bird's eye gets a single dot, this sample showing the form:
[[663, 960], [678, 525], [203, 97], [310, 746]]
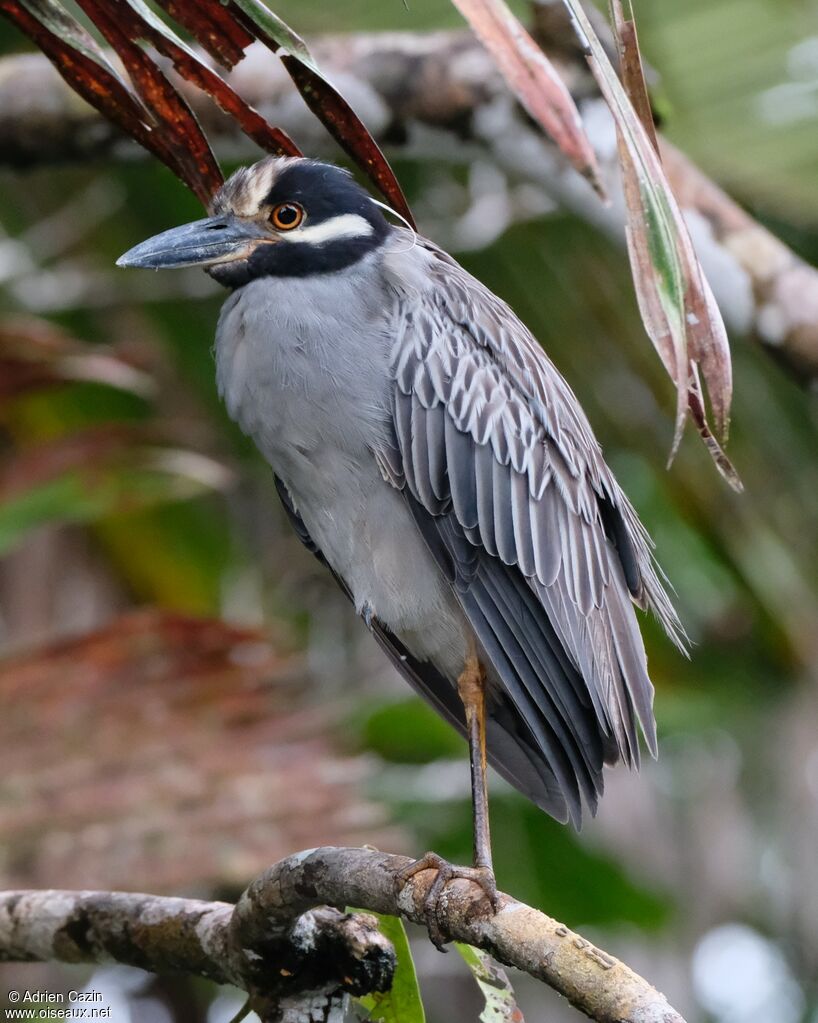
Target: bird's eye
[[287, 215]]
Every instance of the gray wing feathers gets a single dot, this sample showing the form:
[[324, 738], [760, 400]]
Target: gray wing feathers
[[513, 754], [539, 683], [487, 428], [511, 751]]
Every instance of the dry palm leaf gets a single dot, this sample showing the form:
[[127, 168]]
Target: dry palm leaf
[[677, 306], [152, 111]]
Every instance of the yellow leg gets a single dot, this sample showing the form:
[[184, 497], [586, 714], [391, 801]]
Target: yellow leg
[[472, 689]]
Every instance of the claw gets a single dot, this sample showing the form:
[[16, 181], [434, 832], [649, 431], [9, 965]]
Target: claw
[[483, 876]]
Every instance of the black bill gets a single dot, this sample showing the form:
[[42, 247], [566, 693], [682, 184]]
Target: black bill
[[202, 243]]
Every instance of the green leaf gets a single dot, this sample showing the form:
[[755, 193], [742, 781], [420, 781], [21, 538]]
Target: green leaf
[[501, 1005], [64, 500], [176, 554], [279, 31], [543, 862], [402, 1003]]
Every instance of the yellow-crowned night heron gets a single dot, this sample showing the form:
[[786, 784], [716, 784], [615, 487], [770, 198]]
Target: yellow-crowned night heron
[[429, 453]]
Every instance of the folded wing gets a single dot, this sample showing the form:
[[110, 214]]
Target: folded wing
[[547, 556]]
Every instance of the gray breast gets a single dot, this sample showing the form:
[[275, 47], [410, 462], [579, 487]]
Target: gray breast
[[303, 367], [300, 358]]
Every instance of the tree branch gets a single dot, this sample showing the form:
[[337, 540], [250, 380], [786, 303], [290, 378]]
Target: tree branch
[[282, 949], [314, 958]]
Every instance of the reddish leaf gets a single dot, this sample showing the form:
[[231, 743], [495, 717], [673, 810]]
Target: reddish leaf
[[675, 300], [165, 124], [212, 24], [77, 58], [178, 129], [55, 21], [83, 65], [139, 21], [533, 80], [349, 132], [324, 99], [166, 752], [257, 21]]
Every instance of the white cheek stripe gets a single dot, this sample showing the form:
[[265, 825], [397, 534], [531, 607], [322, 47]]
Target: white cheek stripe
[[348, 225]]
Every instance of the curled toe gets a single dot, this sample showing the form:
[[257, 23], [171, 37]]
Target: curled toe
[[445, 872]]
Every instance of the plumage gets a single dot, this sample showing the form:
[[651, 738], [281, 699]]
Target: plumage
[[558, 515], [430, 454]]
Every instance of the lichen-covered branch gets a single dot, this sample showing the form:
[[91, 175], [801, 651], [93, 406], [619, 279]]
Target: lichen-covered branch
[[288, 943], [316, 958]]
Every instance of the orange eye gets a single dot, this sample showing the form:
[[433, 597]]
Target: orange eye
[[286, 216]]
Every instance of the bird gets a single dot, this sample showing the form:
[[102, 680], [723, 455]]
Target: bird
[[428, 452]]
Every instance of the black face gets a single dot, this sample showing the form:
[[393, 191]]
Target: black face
[[282, 218], [324, 222]]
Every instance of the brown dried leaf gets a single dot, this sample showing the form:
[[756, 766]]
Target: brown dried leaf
[[706, 335], [668, 338], [83, 65], [325, 101], [163, 122], [533, 80], [695, 403], [214, 26], [677, 305], [177, 129], [166, 753], [349, 132], [140, 22], [631, 70]]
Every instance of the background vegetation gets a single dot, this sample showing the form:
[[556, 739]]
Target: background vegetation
[[125, 487]]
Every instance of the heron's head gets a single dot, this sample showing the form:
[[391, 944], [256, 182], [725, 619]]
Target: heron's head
[[284, 216]]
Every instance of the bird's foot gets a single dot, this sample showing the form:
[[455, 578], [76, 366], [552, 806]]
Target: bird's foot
[[483, 876]]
